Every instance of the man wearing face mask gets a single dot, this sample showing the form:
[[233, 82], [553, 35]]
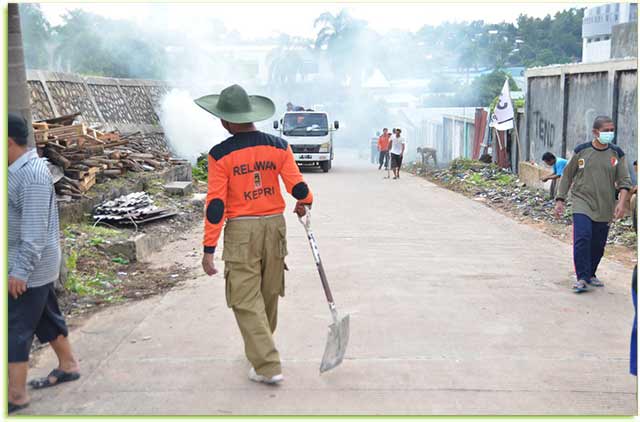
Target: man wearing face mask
[[244, 191], [593, 173]]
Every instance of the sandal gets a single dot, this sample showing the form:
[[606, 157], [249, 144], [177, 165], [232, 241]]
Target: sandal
[[58, 374], [15, 407]]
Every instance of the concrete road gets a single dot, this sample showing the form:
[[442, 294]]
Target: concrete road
[[455, 309]]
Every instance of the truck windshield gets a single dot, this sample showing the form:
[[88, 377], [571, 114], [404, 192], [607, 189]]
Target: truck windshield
[[305, 124]]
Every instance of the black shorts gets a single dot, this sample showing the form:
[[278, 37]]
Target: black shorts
[[37, 312], [396, 161]]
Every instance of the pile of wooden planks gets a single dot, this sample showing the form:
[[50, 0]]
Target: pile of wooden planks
[[87, 155]]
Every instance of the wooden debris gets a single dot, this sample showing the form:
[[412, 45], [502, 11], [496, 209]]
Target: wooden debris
[[83, 153]]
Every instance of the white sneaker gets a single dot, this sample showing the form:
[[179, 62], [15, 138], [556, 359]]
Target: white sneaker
[[253, 376]]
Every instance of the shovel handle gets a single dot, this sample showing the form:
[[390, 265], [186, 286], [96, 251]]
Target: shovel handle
[[306, 222]]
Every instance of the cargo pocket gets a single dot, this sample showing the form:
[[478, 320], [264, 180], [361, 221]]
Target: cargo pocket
[[282, 240], [282, 253], [236, 246], [227, 286], [235, 254]]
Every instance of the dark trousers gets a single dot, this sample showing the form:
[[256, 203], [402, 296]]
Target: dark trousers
[[633, 359], [36, 311], [589, 240], [384, 159]]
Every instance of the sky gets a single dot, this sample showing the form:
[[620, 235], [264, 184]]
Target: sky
[[258, 20]]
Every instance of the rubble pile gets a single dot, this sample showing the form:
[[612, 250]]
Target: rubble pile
[[135, 208], [86, 156], [500, 188]]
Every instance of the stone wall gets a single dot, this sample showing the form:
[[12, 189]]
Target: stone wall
[[562, 102], [127, 105]]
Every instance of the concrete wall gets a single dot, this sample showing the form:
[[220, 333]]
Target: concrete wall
[[624, 40], [596, 51], [627, 117], [562, 102], [544, 117], [588, 97], [124, 104], [458, 138]]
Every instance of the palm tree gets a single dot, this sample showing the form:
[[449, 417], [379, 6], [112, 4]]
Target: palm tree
[[17, 74], [349, 44], [287, 61], [332, 27]]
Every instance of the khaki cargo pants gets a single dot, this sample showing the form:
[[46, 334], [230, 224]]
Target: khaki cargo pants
[[253, 255]]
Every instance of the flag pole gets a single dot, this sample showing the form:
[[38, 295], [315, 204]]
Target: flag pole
[[515, 130]]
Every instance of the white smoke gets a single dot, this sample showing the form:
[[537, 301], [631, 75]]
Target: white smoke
[[189, 129]]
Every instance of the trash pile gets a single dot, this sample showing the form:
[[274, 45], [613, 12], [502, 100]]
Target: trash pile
[[86, 156], [500, 188], [136, 208]]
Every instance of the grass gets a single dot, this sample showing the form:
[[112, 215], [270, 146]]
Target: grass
[[505, 179], [101, 282], [72, 230], [154, 186], [477, 180], [199, 171]]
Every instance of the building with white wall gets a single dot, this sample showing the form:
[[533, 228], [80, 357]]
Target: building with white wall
[[597, 25]]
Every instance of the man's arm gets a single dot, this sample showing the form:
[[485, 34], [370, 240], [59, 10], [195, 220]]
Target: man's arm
[[552, 176], [214, 207], [294, 182], [34, 229], [565, 183], [623, 181], [567, 178]]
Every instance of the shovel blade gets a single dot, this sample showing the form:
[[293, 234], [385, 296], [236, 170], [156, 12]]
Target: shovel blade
[[337, 342]]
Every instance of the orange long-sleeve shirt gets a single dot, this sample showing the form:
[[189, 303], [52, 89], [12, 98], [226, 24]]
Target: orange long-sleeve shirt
[[383, 142], [243, 181]]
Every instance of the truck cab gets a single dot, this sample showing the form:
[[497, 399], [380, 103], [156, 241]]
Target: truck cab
[[310, 136]]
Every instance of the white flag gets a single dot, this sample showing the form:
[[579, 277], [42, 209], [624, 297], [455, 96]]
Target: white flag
[[502, 118]]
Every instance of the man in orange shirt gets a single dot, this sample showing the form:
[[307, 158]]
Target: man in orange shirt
[[244, 191], [383, 147]]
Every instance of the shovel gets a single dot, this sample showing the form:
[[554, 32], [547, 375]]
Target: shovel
[[338, 337]]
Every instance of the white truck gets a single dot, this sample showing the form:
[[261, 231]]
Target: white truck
[[309, 135]]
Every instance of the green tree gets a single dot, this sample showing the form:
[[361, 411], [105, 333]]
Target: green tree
[[287, 62], [125, 51], [485, 88], [349, 44], [36, 36]]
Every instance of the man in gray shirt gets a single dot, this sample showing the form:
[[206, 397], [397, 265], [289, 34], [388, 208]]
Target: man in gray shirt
[[593, 173], [34, 263]]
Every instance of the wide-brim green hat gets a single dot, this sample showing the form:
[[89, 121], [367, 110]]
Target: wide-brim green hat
[[235, 106]]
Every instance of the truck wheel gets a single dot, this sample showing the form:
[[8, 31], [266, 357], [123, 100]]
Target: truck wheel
[[325, 165]]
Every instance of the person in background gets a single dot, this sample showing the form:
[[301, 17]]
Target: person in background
[[373, 147], [383, 149], [33, 267], [397, 147], [291, 107], [633, 360], [593, 173], [557, 165], [634, 190]]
